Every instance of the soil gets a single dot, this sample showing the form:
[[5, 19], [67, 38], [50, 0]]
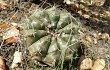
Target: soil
[[24, 8]]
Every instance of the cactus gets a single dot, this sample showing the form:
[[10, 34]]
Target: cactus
[[51, 35]]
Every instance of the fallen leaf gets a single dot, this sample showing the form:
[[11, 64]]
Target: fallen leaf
[[2, 64], [3, 5], [4, 26], [11, 40], [11, 35]]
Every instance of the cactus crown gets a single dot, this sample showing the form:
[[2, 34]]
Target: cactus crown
[[51, 34]]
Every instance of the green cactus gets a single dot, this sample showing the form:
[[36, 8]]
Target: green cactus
[[51, 35]]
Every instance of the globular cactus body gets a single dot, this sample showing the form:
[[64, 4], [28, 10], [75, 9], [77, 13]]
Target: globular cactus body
[[51, 35]]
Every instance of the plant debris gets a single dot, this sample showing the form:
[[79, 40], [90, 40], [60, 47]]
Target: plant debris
[[93, 35], [2, 64], [17, 59], [3, 5]]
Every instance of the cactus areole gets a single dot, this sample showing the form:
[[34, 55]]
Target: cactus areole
[[51, 35]]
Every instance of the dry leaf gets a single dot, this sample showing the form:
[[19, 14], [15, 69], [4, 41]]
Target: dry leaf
[[4, 26], [11, 40], [11, 35], [2, 64], [17, 59], [86, 64], [12, 32], [3, 5], [99, 64]]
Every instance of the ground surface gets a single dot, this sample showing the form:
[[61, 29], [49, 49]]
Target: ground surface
[[17, 11]]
